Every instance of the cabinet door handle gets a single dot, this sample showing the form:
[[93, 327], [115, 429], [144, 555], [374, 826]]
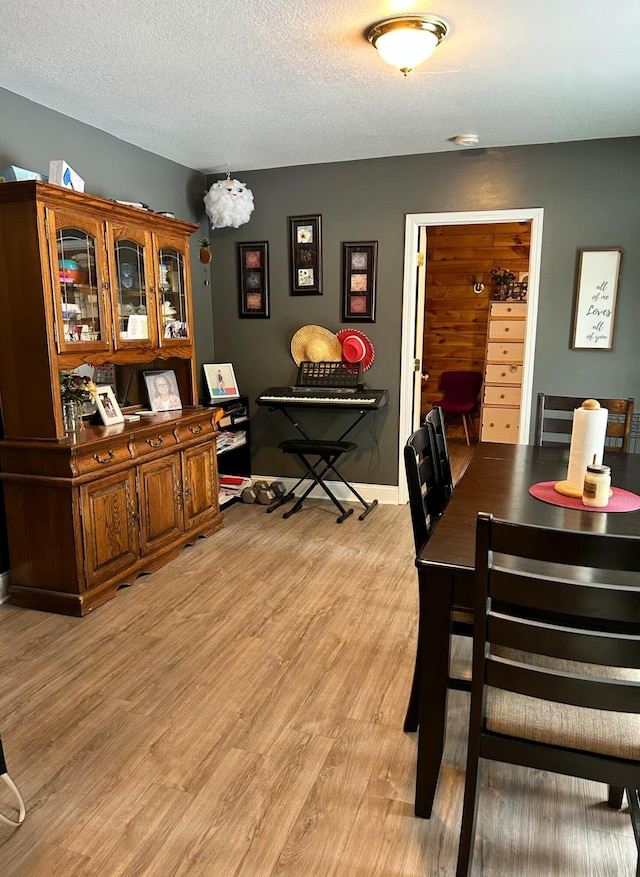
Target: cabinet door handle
[[103, 460], [155, 444], [196, 430]]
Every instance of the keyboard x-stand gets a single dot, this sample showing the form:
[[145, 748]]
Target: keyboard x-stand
[[331, 385]]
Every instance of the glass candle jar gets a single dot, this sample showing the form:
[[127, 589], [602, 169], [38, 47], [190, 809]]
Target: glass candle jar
[[597, 483]]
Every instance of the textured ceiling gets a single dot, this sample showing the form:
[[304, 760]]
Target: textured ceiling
[[267, 83]]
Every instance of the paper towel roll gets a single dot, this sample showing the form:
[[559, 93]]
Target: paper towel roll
[[587, 442]]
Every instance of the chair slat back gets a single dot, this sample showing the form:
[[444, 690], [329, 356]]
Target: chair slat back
[[425, 495], [440, 451], [560, 595], [554, 430]]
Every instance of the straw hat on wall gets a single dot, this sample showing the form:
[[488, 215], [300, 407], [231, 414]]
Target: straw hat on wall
[[315, 344]]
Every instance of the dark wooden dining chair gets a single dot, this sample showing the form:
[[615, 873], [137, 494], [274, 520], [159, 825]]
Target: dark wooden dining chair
[[428, 497], [554, 420], [556, 667], [440, 452]]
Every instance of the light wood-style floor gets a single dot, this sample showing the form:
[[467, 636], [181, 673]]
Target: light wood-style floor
[[239, 714]]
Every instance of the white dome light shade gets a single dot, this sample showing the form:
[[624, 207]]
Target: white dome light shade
[[407, 40]]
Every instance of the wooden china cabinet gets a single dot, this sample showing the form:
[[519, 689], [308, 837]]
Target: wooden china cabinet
[[84, 280]]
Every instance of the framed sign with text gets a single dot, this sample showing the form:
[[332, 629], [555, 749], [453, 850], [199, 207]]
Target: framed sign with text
[[305, 254], [596, 298]]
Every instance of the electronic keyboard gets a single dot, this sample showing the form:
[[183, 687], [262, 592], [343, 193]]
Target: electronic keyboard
[[322, 397]]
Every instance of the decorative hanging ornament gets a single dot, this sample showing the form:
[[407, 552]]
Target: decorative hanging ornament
[[228, 203]]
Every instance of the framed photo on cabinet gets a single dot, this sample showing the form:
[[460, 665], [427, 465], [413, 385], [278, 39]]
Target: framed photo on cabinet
[[359, 277], [221, 381], [596, 297], [253, 268], [305, 254], [107, 405], [162, 389]]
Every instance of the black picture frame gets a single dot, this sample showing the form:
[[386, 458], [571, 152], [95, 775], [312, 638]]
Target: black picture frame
[[305, 254], [253, 279], [359, 279]]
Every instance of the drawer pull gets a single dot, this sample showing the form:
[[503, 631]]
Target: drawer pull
[[155, 444], [503, 375], [506, 328], [502, 395], [196, 430], [104, 460], [513, 369], [492, 424]]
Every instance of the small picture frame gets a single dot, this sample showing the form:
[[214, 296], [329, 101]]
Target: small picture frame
[[221, 381], [359, 277], [162, 389], [305, 254], [107, 405], [253, 274], [596, 297]]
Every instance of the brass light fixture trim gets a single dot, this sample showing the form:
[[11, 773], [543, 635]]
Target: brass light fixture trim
[[430, 25]]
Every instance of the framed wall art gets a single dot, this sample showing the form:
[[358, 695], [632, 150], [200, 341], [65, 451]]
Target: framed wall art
[[305, 254], [359, 275], [253, 266], [596, 296]]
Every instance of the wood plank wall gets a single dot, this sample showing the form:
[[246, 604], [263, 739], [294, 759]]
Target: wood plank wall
[[455, 324]]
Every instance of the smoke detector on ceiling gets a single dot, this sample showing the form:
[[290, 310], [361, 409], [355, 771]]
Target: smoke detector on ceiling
[[466, 139]]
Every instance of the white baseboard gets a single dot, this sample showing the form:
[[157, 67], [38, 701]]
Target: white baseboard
[[5, 581], [386, 494]]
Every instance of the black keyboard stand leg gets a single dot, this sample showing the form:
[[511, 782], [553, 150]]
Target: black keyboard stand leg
[[368, 506], [291, 494]]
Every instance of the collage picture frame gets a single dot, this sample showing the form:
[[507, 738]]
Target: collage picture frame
[[253, 277], [359, 280], [305, 254]]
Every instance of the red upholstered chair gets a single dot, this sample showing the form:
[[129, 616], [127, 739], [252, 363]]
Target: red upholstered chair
[[461, 389]]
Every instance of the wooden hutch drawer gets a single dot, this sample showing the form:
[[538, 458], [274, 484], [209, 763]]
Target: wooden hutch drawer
[[202, 428], [106, 457], [497, 352], [506, 330], [161, 438], [500, 425], [503, 374], [513, 310], [509, 396]]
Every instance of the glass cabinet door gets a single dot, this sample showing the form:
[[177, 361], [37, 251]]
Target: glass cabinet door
[[134, 317], [77, 274], [173, 303]]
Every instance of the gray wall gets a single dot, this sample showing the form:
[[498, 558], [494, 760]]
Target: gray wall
[[590, 192]]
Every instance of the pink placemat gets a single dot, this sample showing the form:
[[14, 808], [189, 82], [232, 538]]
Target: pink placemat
[[621, 501]]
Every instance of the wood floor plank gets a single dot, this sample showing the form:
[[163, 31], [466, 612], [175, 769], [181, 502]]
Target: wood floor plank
[[239, 713]]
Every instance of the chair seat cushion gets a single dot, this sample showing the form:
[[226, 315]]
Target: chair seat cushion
[[457, 407], [601, 731], [315, 446]]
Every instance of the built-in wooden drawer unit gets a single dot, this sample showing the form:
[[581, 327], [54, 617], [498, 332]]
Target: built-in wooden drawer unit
[[507, 330], [508, 396], [500, 425], [508, 310], [497, 352], [503, 374]]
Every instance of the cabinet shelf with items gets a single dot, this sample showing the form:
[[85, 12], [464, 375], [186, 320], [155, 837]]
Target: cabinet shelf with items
[[234, 445]]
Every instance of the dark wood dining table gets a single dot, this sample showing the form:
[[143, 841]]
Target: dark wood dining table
[[497, 480]]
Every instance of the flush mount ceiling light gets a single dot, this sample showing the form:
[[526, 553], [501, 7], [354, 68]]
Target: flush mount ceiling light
[[407, 40]]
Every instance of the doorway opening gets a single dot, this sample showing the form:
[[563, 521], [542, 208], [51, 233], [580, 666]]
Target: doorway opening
[[414, 305]]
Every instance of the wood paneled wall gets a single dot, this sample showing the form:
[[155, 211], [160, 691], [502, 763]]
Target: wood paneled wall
[[455, 323]]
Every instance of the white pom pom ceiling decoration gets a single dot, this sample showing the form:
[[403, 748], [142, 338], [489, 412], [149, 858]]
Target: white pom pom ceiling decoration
[[228, 203]]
